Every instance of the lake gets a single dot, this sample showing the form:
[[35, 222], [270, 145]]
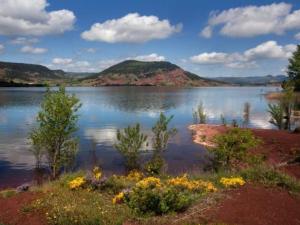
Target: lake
[[106, 109]]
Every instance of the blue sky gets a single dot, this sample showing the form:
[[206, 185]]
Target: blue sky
[[209, 38]]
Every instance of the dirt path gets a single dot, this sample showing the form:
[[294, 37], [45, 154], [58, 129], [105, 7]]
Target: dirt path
[[257, 205], [11, 210]]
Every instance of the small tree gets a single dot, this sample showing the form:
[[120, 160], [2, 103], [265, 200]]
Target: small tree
[[277, 115], [129, 145], [281, 112], [57, 122], [246, 114], [160, 140], [199, 114], [293, 69]]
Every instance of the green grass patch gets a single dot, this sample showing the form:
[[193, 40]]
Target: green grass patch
[[8, 193], [271, 177]]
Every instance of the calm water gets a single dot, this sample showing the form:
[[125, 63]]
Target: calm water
[[106, 109]]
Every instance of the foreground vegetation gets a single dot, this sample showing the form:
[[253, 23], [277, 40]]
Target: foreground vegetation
[[82, 198]]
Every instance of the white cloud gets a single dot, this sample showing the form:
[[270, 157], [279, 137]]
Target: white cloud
[[91, 50], [24, 41], [62, 61], [206, 32], [270, 49], [19, 17], [297, 36], [1, 48], [246, 59], [33, 50], [149, 58], [132, 28], [210, 58], [70, 65], [251, 21]]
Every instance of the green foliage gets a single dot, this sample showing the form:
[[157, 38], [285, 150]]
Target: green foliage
[[8, 193], [199, 114], [281, 112], [57, 122], [234, 123], [223, 120], [155, 165], [270, 177], [63, 206], [160, 140], [293, 69], [246, 114], [232, 148], [157, 201], [129, 145], [277, 115]]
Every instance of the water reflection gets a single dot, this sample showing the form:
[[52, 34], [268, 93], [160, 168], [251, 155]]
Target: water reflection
[[107, 109]]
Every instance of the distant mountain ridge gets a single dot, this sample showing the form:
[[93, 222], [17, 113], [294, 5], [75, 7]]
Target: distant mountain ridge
[[255, 80], [28, 73], [138, 73]]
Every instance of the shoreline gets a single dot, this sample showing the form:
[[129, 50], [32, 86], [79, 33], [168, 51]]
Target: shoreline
[[278, 147]]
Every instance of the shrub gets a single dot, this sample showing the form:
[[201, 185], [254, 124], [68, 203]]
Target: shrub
[[199, 114], [157, 200], [155, 165], [271, 177], [129, 145], [232, 148]]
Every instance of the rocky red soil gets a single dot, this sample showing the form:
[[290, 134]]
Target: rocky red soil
[[279, 147], [12, 210], [257, 205]]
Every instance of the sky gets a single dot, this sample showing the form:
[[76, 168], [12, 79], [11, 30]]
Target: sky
[[209, 37]]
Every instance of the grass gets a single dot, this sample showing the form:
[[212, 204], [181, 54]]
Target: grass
[[64, 206], [8, 193]]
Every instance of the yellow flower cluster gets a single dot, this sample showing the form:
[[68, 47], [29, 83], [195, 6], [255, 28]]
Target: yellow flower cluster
[[232, 181], [192, 185], [97, 173], [149, 182], [76, 183], [119, 198], [134, 175]]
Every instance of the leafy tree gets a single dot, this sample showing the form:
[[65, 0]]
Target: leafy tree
[[57, 122], [160, 140], [129, 145], [293, 69]]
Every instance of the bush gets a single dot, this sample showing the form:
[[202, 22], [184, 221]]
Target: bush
[[232, 148], [199, 114], [158, 200], [271, 177]]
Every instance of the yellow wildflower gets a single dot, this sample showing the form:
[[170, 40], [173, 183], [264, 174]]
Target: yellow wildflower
[[147, 182], [97, 173], [192, 185], [232, 181], [119, 198], [76, 183], [135, 175]]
